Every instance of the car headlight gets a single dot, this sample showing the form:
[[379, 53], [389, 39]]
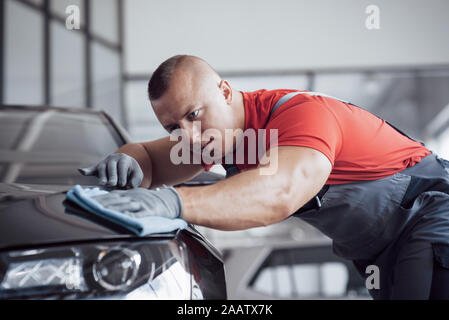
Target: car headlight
[[137, 270]]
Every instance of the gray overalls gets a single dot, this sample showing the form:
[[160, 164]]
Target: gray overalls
[[399, 224]]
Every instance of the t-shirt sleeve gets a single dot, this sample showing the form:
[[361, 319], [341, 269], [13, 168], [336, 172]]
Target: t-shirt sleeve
[[308, 124]]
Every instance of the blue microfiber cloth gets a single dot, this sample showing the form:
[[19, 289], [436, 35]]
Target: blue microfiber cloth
[[140, 226]]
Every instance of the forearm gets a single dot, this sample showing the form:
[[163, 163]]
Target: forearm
[[243, 201]]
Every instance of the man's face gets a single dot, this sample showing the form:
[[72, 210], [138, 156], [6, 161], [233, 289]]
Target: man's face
[[201, 107]]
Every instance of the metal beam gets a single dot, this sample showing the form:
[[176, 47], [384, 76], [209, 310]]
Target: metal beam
[[439, 124], [121, 38], [62, 19], [32, 132]]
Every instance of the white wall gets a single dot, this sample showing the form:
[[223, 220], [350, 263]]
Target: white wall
[[245, 35]]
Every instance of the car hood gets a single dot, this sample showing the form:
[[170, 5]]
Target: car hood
[[34, 215]]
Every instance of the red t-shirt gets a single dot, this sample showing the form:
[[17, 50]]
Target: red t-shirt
[[359, 145]]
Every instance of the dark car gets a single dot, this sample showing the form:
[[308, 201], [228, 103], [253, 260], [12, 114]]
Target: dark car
[[51, 248]]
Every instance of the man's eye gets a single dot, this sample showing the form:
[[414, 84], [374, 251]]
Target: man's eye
[[193, 115]]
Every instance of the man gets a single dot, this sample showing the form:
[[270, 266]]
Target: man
[[382, 197]]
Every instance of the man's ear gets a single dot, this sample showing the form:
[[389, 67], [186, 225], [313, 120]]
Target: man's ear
[[226, 89]]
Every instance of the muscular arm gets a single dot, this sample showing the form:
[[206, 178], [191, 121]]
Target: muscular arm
[[251, 199], [154, 160]]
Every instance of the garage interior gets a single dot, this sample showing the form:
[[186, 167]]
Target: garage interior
[[398, 71]]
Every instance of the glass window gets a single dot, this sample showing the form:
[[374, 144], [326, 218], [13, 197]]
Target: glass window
[[437, 133], [307, 272], [58, 8], [443, 144], [407, 99], [303, 281], [47, 146], [388, 95], [431, 92], [104, 19], [23, 55], [68, 72], [106, 80], [353, 87]]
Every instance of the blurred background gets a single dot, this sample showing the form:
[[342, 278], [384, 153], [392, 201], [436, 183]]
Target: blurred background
[[398, 71]]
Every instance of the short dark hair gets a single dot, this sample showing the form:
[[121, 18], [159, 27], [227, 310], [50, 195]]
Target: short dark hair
[[160, 79]]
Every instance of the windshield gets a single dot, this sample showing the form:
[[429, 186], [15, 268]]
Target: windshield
[[47, 147]]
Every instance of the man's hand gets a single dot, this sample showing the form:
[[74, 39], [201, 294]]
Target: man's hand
[[118, 169], [140, 202]]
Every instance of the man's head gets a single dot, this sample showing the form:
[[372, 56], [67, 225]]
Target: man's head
[[185, 90]]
